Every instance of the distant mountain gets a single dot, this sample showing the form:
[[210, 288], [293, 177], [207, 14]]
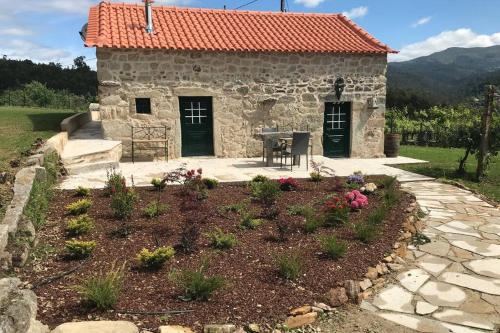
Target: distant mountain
[[447, 77]]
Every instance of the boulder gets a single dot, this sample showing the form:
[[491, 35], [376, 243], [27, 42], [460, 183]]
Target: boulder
[[300, 311], [337, 296], [301, 320], [97, 327], [174, 329], [227, 328], [372, 273], [352, 289], [18, 309]]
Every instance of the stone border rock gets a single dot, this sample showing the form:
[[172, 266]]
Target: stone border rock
[[14, 216]]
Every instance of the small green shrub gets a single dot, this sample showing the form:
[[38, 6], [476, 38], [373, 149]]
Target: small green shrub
[[377, 216], [122, 203], [221, 240], [316, 176], [312, 223], [388, 182], [266, 192], [300, 210], [80, 225], [103, 290], [289, 265], [115, 182], [155, 209], [51, 165], [420, 239], [210, 183], [38, 203], [158, 184], [333, 248], [79, 207], [82, 191], [353, 186], [155, 259], [80, 249], [195, 284], [237, 208], [365, 231], [260, 179], [391, 197], [248, 221]]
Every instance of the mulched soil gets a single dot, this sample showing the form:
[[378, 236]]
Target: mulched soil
[[254, 293]]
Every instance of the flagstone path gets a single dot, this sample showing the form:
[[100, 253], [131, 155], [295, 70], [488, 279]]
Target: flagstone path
[[452, 284]]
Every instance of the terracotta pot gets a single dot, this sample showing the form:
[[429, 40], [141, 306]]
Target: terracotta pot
[[391, 144]]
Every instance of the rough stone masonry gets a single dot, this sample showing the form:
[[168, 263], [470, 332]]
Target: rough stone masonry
[[249, 91]]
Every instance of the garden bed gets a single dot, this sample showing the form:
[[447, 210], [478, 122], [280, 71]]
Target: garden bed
[[254, 292]]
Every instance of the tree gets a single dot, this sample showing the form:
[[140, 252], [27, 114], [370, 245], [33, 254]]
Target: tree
[[80, 64], [484, 153]]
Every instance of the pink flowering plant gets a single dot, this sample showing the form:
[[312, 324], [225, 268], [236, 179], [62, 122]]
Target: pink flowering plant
[[356, 199], [288, 184], [191, 181]]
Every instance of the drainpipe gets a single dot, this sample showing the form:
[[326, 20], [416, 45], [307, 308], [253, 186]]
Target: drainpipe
[[149, 16]]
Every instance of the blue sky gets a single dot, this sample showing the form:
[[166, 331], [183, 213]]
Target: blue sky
[[47, 30]]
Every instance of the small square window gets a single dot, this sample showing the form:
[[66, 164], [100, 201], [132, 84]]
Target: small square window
[[143, 105]]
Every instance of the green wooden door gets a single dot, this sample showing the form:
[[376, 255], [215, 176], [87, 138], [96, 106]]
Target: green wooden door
[[337, 129], [196, 126]]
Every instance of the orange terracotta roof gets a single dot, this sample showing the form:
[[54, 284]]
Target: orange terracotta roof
[[118, 25]]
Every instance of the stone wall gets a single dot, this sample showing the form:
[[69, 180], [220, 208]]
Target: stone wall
[[249, 90]]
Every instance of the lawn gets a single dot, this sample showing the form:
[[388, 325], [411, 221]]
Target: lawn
[[443, 163], [19, 127]]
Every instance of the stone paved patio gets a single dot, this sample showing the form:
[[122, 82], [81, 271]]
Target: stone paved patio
[[242, 169], [451, 284]]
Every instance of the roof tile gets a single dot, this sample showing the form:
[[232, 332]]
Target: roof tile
[[119, 25]]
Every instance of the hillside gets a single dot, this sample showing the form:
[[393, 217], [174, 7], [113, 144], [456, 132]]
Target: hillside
[[447, 77]]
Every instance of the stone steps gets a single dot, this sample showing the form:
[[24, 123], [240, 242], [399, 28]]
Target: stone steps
[[87, 151], [80, 168]]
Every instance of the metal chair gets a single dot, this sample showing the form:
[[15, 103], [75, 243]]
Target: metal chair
[[299, 146], [270, 144]]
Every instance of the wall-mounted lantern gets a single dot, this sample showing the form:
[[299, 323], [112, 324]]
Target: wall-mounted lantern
[[339, 87]]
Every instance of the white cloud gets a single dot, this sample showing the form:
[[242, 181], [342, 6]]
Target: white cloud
[[23, 49], [73, 6], [309, 3], [15, 31], [80, 7], [463, 37], [422, 21], [356, 12]]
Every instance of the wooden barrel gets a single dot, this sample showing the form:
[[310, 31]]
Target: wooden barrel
[[391, 145]]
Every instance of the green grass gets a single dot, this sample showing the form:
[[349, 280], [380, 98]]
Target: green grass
[[19, 127], [443, 163]]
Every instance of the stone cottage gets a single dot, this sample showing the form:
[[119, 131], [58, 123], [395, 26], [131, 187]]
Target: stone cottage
[[214, 78]]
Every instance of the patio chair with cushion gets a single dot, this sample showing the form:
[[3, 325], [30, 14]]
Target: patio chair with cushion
[[299, 146], [270, 143]]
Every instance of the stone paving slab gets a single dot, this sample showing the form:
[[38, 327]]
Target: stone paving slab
[[456, 287]]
